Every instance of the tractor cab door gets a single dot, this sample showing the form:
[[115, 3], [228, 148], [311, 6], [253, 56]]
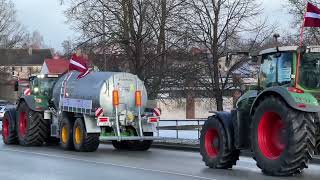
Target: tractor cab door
[[276, 69]]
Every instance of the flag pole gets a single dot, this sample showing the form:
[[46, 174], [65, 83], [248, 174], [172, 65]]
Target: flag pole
[[299, 50]]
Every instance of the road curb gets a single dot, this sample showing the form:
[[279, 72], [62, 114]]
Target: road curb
[[195, 148]]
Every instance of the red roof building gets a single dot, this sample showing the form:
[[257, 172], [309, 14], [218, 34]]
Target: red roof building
[[55, 66]]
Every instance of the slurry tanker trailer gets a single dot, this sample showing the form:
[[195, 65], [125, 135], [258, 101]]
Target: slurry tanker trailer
[[79, 113]]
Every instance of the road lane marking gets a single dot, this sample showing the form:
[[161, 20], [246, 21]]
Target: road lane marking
[[110, 164]]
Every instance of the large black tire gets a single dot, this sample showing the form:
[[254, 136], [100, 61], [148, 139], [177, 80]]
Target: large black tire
[[9, 132], [214, 146], [140, 145], [134, 145], [83, 141], [32, 129], [66, 133], [120, 145], [283, 139], [317, 151]]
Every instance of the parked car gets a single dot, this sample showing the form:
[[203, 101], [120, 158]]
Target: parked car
[[3, 105], [2, 111]]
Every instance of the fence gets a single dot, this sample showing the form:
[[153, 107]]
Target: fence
[[166, 127]]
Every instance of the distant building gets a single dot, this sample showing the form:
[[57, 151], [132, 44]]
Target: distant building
[[21, 63], [55, 66]]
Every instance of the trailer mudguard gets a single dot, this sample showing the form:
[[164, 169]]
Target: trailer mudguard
[[226, 120], [91, 124], [292, 99], [12, 114]]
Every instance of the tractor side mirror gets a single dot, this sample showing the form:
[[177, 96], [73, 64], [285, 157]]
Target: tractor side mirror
[[302, 49], [255, 59], [16, 86], [277, 55]]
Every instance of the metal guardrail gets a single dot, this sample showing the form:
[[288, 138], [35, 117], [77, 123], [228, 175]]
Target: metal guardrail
[[178, 127]]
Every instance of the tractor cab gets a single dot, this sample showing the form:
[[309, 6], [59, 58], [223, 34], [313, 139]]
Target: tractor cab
[[278, 68], [41, 85]]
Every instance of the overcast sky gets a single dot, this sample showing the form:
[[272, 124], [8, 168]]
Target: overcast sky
[[47, 17]]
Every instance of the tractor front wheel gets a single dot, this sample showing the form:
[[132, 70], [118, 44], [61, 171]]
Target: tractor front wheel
[[214, 145], [282, 138], [33, 130]]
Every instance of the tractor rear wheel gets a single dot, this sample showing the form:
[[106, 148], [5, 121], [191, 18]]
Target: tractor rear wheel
[[282, 138], [9, 133], [214, 145], [33, 130], [83, 141], [66, 133]]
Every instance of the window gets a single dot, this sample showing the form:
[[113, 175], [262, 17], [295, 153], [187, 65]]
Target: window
[[268, 71], [285, 68], [276, 69], [310, 71]]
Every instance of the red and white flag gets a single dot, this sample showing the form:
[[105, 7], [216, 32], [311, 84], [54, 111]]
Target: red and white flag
[[78, 63], [312, 16]]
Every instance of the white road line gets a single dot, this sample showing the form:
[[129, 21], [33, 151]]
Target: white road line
[[110, 164]]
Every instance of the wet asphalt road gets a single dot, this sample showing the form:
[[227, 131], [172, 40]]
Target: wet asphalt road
[[51, 163]]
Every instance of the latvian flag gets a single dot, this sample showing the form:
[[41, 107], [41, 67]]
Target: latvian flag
[[312, 16], [79, 64]]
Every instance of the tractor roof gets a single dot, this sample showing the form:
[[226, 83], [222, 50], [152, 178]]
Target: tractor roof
[[288, 48]]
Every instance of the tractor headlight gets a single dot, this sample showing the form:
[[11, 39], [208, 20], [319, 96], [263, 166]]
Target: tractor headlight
[[38, 100], [36, 89]]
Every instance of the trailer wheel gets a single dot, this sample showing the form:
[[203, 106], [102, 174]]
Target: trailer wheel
[[66, 134], [283, 139], [33, 130], [120, 145], [9, 133], [83, 141], [140, 145], [214, 146]]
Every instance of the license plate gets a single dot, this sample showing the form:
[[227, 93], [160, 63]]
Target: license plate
[[104, 121]]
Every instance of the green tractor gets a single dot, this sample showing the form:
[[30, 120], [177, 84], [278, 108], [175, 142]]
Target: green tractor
[[277, 119]]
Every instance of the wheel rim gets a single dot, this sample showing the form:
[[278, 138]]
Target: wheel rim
[[23, 124], [5, 128], [78, 135], [271, 135], [64, 135], [212, 143]]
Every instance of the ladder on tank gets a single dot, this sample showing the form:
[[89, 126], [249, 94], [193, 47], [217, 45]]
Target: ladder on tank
[[62, 92]]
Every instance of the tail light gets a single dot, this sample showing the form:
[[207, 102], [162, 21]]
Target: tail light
[[115, 98], [153, 119], [138, 96], [295, 90]]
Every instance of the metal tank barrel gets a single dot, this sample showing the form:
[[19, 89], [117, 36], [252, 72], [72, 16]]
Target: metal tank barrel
[[98, 87]]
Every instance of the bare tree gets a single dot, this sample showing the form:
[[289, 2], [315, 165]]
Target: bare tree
[[11, 32], [297, 9], [139, 28], [218, 26], [68, 47]]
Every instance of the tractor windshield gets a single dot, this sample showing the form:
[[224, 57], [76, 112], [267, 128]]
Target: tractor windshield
[[310, 71], [43, 86]]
